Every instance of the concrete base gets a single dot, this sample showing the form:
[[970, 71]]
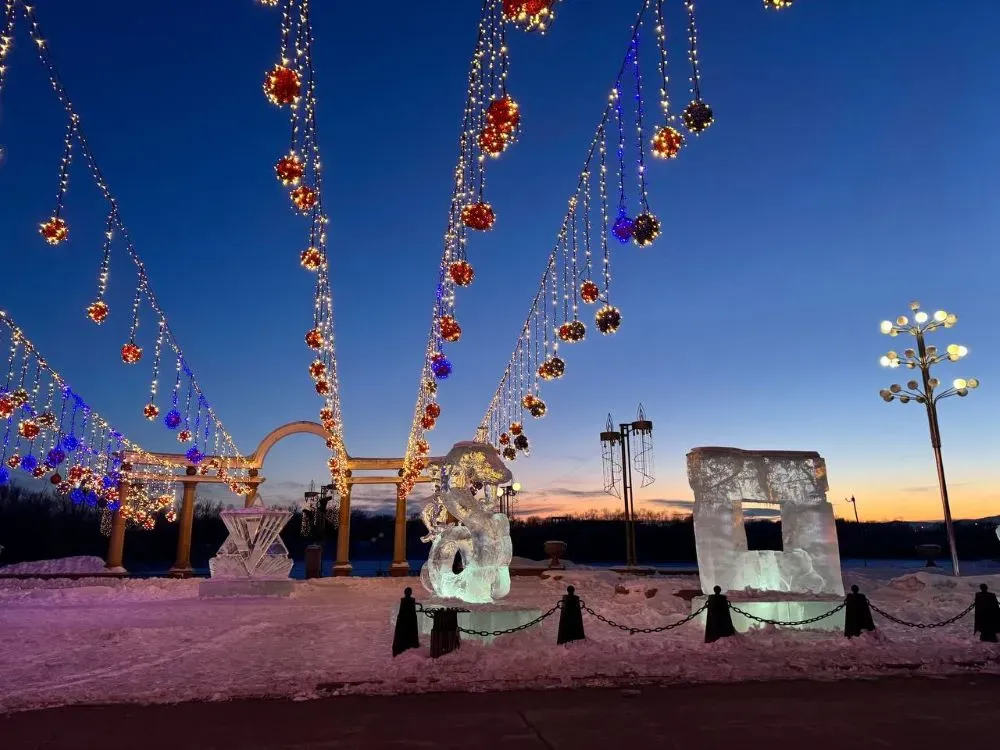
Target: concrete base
[[400, 569], [221, 587], [341, 569], [176, 572], [785, 610], [488, 617]]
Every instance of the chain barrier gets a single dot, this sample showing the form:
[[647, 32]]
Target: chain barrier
[[633, 631], [923, 625], [495, 633], [787, 623]]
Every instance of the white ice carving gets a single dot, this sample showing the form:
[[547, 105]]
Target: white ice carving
[[253, 548], [476, 532], [722, 479]]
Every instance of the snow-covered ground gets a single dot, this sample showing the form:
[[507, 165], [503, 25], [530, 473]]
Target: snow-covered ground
[[74, 565], [110, 640]]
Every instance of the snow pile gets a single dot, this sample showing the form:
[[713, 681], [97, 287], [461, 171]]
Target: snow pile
[[72, 565], [100, 640]]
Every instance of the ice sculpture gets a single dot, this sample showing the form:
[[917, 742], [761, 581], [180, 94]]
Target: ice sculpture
[[723, 479], [253, 548], [460, 523]]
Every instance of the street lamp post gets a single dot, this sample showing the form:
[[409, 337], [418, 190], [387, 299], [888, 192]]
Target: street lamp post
[[505, 496], [623, 438], [857, 520], [928, 390]]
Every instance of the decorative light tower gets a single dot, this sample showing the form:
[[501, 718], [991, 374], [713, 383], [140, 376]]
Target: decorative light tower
[[506, 497], [618, 471], [928, 390]]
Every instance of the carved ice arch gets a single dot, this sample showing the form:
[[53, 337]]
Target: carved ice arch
[[723, 479]]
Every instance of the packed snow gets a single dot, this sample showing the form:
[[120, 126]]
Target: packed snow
[[66, 565], [124, 640]]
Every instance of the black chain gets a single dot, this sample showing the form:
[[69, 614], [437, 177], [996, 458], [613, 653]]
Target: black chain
[[525, 626], [787, 622], [633, 631], [923, 625]]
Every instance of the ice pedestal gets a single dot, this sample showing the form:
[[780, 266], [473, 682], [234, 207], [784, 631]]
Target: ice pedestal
[[253, 561], [784, 610], [487, 619]]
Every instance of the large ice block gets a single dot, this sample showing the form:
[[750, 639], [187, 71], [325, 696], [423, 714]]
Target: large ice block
[[795, 481]]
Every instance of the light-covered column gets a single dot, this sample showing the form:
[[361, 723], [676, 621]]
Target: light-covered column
[[182, 565], [116, 540], [400, 566], [342, 565]]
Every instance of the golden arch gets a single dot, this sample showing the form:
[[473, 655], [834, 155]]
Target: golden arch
[[276, 435]]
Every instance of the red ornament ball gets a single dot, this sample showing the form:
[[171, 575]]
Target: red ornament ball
[[184, 436], [131, 353], [75, 473], [504, 114], [552, 369], [509, 453], [608, 319], [451, 331], [19, 397], [492, 141], [98, 311], [14, 461], [314, 339], [317, 370], [28, 429], [55, 230], [423, 447], [478, 216], [667, 142], [516, 428], [590, 292], [290, 169], [504, 438], [326, 413], [311, 259], [329, 424], [64, 488], [572, 331], [6, 407], [55, 478], [645, 229], [38, 472], [304, 198], [47, 419], [151, 411], [432, 410], [282, 85], [428, 422], [322, 387], [461, 272]]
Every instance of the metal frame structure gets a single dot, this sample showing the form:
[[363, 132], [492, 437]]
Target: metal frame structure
[[622, 438]]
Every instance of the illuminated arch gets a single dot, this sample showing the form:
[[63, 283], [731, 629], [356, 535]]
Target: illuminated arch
[[276, 435]]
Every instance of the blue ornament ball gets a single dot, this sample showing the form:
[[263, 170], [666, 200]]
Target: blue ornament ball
[[622, 229], [29, 463], [91, 498], [55, 457], [194, 455], [77, 496], [70, 443], [4, 475], [441, 366], [172, 420], [112, 506]]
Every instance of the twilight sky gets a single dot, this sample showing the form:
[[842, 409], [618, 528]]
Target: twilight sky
[[847, 173]]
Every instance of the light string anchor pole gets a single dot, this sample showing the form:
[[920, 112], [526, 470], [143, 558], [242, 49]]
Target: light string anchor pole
[[622, 439], [928, 391]]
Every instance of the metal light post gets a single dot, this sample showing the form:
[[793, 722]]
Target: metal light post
[[857, 520], [618, 472], [505, 496], [928, 391]]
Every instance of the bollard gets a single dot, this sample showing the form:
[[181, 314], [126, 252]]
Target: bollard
[[857, 614], [718, 622], [987, 614], [570, 618], [445, 637], [314, 561], [406, 635]]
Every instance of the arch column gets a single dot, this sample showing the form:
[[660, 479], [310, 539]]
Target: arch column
[[400, 565], [182, 565], [116, 540], [342, 565]]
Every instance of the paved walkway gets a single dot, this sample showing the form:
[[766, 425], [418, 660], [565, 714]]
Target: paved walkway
[[909, 714]]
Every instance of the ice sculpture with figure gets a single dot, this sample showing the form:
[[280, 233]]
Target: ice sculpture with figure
[[461, 523], [723, 479]]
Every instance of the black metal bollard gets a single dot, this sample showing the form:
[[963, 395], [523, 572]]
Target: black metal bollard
[[570, 618], [857, 614], [407, 634], [718, 622], [987, 614], [445, 637]]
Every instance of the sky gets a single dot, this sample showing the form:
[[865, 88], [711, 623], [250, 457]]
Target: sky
[[846, 174]]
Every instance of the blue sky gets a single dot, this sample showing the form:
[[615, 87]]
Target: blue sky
[[847, 173]]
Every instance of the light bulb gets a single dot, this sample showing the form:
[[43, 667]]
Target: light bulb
[[940, 316], [914, 305], [884, 361], [962, 351], [885, 326], [960, 383], [902, 320], [973, 382], [953, 350], [516, 486], [920, 317]]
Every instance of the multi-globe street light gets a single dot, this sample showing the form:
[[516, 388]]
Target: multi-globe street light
[[505, 497], [928, 390]]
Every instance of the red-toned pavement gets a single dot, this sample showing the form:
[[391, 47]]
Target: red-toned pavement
[[909, 714]]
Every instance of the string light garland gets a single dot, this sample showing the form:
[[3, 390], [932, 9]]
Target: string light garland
[[698, 116], [57, 231], [778, 4]]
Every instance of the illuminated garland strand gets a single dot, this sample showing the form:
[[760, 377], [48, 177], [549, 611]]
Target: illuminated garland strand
[[143, 285]]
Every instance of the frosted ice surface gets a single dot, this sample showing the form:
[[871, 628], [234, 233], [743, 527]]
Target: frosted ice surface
[[253, 548], [459, 522], [722, 480]]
